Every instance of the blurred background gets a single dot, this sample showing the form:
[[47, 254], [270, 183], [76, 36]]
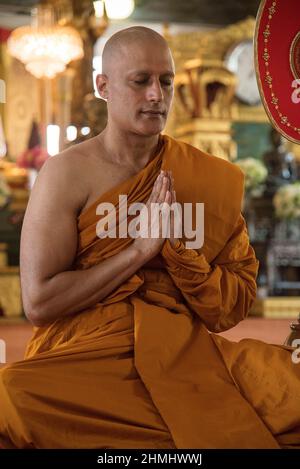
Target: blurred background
[[50, 52]]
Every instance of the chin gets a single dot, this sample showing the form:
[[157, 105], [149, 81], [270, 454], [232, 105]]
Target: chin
[[150, 130]]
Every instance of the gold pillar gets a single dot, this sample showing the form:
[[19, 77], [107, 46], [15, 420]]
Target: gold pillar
[[46, 108], [63, 103], [4, 60], [90, 31]]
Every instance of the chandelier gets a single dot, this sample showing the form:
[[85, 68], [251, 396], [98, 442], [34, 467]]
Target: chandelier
[[45, 47], [115, 9]]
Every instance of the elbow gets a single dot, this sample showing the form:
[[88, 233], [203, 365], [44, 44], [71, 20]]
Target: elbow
[[36, 312], [235, 314], [37, 304]]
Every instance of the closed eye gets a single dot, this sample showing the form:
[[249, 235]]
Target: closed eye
[[143, 82]]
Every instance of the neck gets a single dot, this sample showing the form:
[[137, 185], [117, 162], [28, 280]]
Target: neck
[[128, 149]]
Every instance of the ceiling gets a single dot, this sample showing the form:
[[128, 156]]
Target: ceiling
[[209, 12], [17, 6]]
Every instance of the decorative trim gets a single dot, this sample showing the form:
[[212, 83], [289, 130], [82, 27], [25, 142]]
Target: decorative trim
[[295, 56], [268, 77]]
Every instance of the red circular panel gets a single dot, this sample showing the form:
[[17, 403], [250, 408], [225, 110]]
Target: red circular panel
[[277, 56]]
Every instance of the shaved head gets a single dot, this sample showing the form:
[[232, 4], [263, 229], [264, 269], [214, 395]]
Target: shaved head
[[121, 41], [137, 81]]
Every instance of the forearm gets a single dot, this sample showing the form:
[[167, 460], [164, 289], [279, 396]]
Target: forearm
[[69, 292]]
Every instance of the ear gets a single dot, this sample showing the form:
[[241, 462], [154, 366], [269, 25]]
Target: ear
[[102, 85]]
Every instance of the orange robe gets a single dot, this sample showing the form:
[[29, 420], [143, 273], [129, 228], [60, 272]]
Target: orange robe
[[140, 369]]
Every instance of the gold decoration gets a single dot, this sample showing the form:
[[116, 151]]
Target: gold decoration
[[45, 47], [10, 291], [17, 179], [199, 60], [276, 307], [210, 46], [213, 139], [3, 255], [208, 49]]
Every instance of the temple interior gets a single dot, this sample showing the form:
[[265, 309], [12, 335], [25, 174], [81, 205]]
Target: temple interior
[[52, 103]]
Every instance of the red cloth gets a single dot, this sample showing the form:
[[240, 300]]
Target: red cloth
[[4, 33]]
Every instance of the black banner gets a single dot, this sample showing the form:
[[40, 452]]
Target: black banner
[[191, 458]]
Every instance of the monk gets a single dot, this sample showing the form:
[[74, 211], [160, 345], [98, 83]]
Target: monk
[[125, 351]]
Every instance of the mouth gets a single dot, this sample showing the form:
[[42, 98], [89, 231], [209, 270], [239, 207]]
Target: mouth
[[152, 113]]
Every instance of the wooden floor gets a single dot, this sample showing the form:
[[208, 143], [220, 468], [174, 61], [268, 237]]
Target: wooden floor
[[269, 330]]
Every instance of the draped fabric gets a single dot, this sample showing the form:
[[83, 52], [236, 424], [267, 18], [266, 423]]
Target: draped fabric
[[145, 367]]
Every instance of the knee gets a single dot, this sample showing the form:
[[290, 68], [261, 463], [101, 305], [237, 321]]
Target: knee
[[12, 393], [12, 426], [6, 397], [8, 382]]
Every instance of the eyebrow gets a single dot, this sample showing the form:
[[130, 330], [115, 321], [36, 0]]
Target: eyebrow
[[148, 72]]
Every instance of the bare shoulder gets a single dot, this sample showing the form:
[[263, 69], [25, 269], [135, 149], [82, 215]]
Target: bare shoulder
[[65, 178], [70, 162]]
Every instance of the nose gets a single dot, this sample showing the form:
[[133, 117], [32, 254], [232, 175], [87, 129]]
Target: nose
[[154, 91]]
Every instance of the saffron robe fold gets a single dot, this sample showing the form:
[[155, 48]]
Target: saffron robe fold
[[145, 367]]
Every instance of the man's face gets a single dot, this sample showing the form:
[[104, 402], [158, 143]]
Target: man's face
[[140, 88]]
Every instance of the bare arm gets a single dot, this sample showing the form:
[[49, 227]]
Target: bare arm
[[50, 289]]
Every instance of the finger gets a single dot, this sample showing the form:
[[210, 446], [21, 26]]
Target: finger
[[168, 175], [171, 179], [168, 196], [163, 191], [156, 189], [159, 185], [155, 196], [164, 215], [174, 195], [172, 190], [171, 184]]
